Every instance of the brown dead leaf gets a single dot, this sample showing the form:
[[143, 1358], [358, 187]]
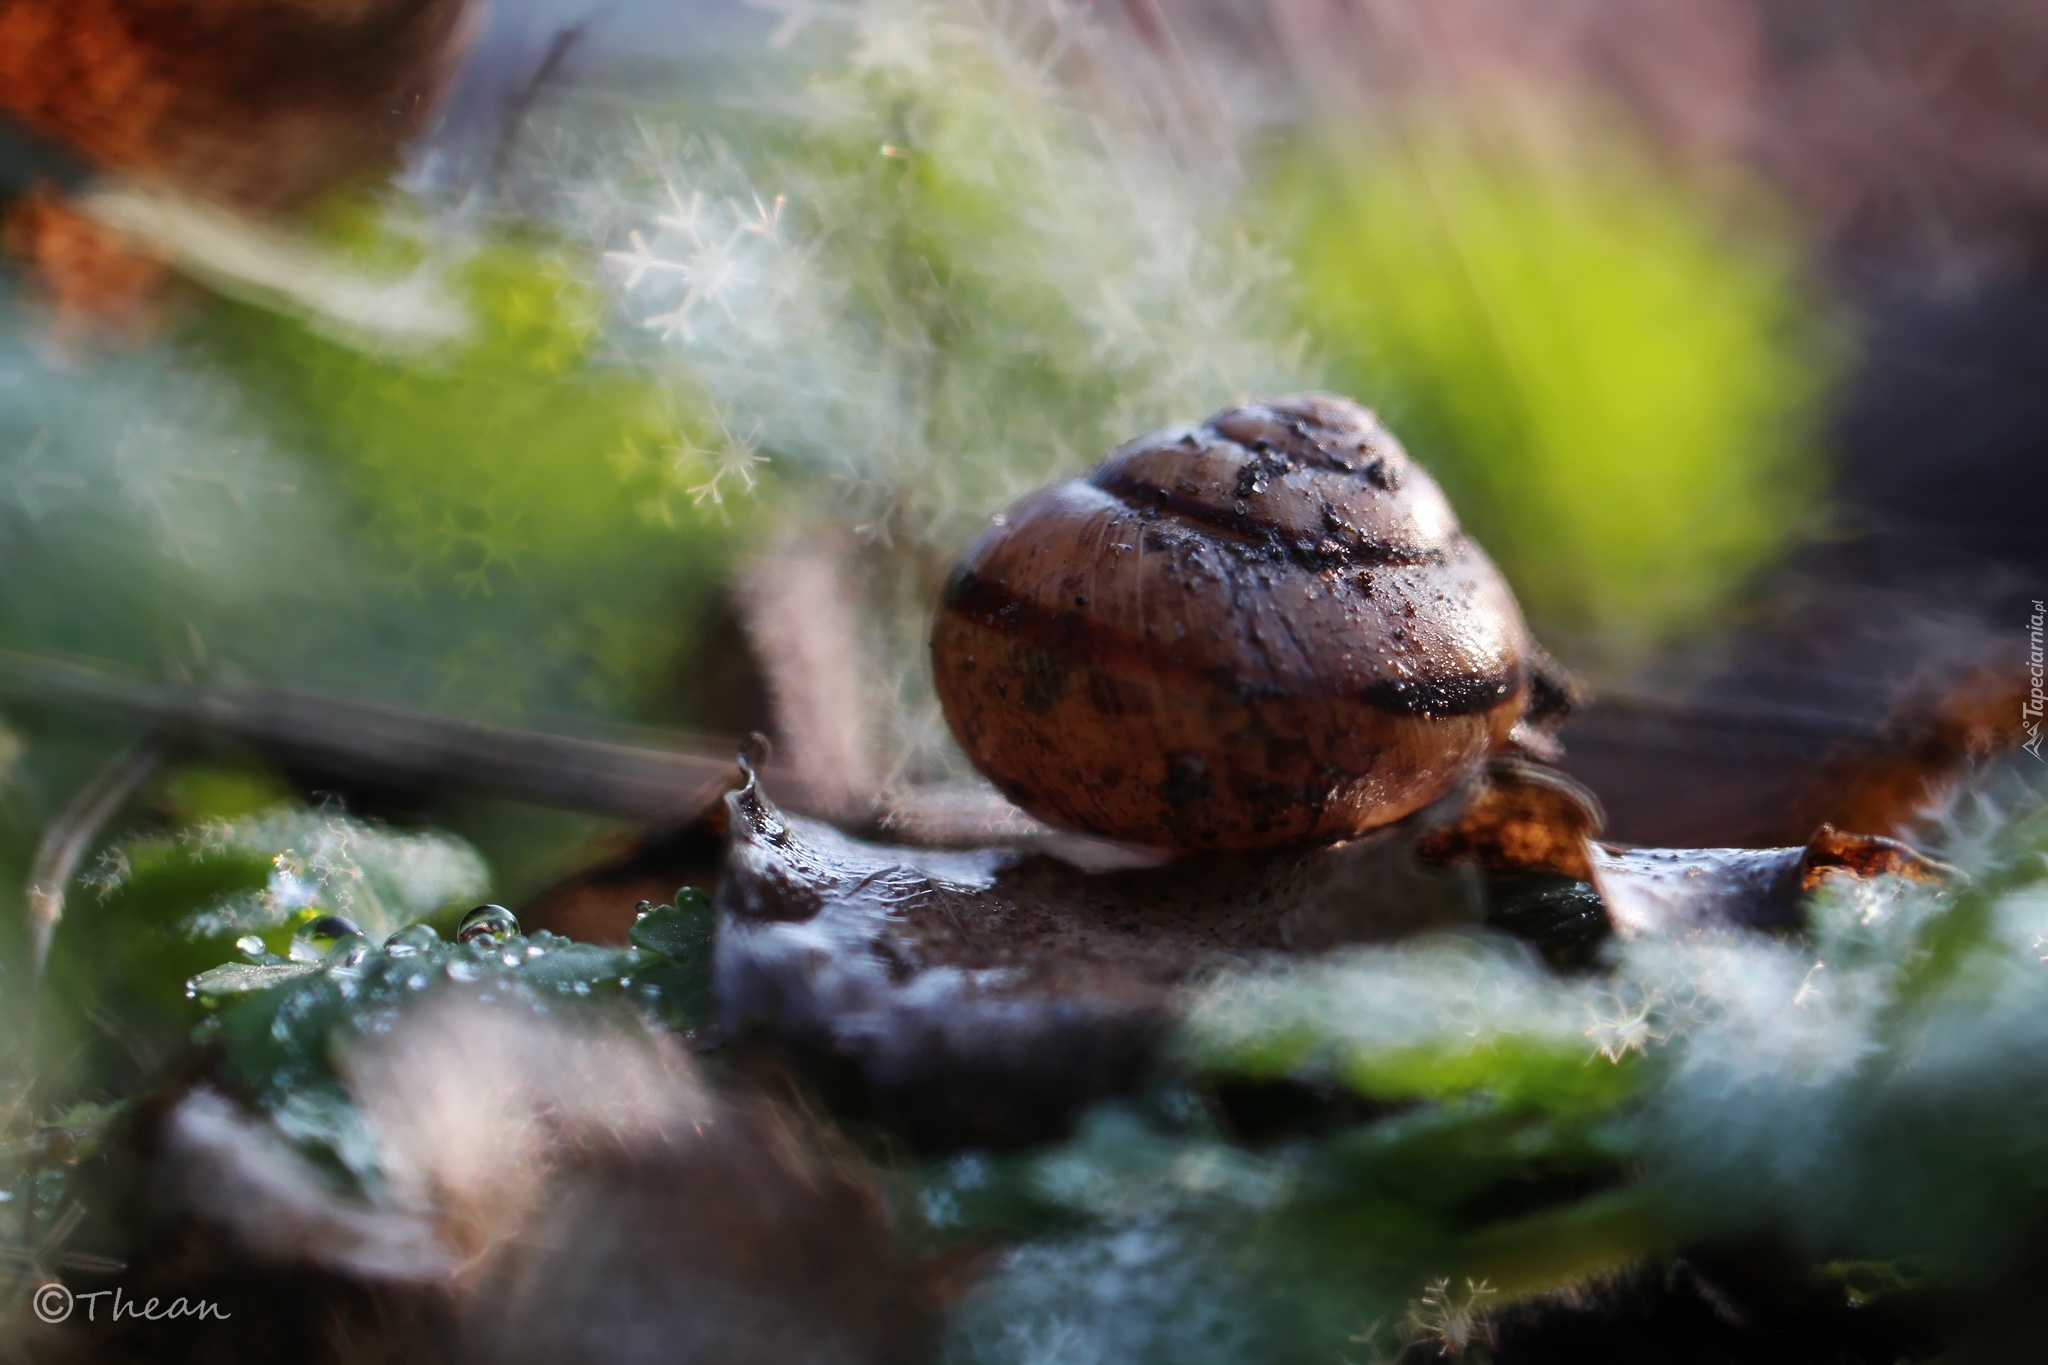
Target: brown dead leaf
[[1525, 818], [1670, 893], [1832, 853], [261, 102]]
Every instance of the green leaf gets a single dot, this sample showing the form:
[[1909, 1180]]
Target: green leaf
[[240, 978], [678, 982], [681, 931], [1426, 1020], [281, 1029]]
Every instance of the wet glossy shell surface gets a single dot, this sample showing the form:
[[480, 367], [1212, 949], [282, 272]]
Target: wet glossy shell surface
[[1261, 631]]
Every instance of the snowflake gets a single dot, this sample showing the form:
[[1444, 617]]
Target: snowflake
[[1452, 1320], [733, 454], [714, 261], [1624, 1029]]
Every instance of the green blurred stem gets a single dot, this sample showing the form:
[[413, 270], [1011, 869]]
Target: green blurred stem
[[65, 842]]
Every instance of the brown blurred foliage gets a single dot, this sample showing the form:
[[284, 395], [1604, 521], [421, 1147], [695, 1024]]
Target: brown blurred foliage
[[1937, 734], [262, 102], [84, 269], [257, 104]]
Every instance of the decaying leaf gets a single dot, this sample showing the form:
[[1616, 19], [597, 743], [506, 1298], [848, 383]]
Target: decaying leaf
[[988, 994], [1525, 818], [1837, 853], [1666, 892]]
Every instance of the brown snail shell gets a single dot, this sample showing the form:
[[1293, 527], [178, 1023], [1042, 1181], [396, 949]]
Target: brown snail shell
[[1261, 631]]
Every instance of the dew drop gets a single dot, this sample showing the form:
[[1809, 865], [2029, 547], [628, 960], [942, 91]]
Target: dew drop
[[487, 921], [316, 938], [252, 947], [350, 951], [414, 938]]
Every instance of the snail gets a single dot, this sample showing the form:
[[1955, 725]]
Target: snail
[[1261, 631]]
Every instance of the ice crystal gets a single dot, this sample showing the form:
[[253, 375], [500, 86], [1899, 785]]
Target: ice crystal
[[920, 272], [1452, 1319]]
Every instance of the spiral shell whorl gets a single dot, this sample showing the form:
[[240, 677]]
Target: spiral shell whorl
[[1264, 630]]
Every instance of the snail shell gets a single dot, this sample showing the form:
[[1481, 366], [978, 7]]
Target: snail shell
[[1264, 630]]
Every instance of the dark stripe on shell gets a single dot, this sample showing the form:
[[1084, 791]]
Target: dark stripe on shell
[[1340, 548], [1078, 635]]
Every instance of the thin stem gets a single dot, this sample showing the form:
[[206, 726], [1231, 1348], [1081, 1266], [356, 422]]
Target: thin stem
[[72, 833]]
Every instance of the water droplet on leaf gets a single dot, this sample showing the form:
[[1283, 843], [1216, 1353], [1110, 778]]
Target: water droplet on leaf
[[412, 939], [317, 937], [350, 951], [494, 921]]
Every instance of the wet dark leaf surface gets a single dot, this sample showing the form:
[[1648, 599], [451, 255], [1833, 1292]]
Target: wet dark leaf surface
[[986, 996], [1664, 892], [989, 994]]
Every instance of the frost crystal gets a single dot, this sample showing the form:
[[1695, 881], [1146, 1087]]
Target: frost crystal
[[921, 271], [381, 879]]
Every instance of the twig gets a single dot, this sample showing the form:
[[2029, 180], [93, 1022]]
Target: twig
[[69, 836], [521, 105], [799, 612], [368, 742]]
